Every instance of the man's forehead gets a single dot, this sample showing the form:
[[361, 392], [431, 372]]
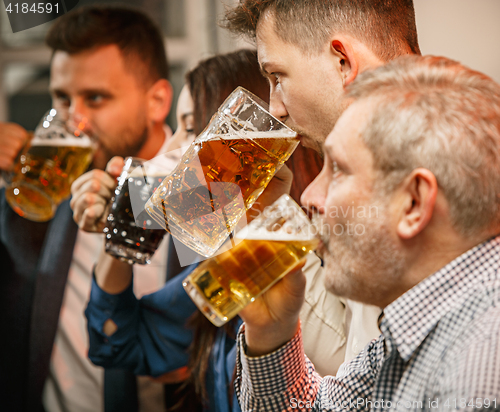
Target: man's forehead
[[266, 22], [264, 34], [109, 52], [274, 51], [267, 39], [100, 59], [100, 67]]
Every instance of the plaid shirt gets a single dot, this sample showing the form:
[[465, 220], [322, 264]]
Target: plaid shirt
[[439, 350]]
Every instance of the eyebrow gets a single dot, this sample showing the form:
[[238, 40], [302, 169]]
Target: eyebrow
[[57, 90], [263, 69], [104, 92], [329, 150]]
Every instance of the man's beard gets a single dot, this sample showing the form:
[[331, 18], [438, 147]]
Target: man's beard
[[364, 266], [106, 153]]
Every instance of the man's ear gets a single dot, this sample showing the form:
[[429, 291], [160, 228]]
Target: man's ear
[[418, 198], [160, 96], [344, 51]]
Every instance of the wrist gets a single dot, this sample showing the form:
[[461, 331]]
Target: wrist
[[260, 342], [112, 275]]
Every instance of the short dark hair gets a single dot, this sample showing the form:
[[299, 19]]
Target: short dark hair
[[387, 26], [213, 80], [134, 33]]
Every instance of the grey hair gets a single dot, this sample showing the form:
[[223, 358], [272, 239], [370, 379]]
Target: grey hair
[[434, 113]]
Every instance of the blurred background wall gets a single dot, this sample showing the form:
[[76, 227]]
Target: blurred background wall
[[466, 30]]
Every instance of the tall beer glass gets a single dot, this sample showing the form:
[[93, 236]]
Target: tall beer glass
[[131, 235], [272, 245], [48, 165], [223, 172]]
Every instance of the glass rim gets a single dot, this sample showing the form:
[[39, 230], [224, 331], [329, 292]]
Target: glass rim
[[259, 102], [75, 130]]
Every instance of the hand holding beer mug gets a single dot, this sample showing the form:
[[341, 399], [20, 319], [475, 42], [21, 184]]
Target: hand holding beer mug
[[131, 235], [270, 247], [222, 173], [42, 177]]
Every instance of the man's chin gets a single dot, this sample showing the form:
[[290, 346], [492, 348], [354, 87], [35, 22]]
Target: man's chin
[[311, 143], [332, 285], [332, 279], [100, 160]]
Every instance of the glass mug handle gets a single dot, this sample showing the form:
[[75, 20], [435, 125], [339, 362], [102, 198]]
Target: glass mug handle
[[8, 174]]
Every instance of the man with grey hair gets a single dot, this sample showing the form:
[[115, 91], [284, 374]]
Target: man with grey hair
[[421, 142]]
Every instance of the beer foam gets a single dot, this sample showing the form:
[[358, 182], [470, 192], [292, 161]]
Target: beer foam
[[66, 142], [270, 134], [139, 173], [278, 236]]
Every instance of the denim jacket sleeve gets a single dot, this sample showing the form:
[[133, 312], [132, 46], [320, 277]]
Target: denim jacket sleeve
[[152, 337]]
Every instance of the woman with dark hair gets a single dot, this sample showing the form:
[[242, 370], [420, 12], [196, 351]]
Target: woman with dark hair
[[164, 331], [207, 86]]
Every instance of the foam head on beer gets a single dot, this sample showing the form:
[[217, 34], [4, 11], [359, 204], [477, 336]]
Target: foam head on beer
[[222, 173], [272, 245], [50, 163]]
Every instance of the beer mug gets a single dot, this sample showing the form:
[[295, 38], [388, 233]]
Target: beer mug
[[130, 233], [271, 245], [48, 165], [222, 173]]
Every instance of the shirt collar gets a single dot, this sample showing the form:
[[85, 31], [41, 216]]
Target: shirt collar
[[410, 318]]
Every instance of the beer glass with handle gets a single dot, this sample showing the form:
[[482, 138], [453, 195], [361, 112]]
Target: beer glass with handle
[[222, 173], [57, 154], [131, 235], [271, 245]]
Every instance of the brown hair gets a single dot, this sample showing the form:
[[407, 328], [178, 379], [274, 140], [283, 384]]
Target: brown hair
[[138, 38], [210, 83], [387, 26], [213, 79]]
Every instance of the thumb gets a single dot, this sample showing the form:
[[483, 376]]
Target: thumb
[[295, 280], [115, 166]]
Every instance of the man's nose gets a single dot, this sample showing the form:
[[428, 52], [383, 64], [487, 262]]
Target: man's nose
[[314, 197], [79, 116], [277, 107]]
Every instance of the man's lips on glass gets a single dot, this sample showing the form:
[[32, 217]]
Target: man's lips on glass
[[321, 233], [321, 249]]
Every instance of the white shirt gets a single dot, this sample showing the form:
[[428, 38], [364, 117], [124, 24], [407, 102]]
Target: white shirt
[[74, 383]]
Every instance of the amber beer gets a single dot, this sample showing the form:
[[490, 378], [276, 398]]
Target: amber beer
[[216, 182], [43, 176], [222, 173], [225, 284]]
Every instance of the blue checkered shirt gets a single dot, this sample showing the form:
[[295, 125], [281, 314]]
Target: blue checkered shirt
[[439, 350]]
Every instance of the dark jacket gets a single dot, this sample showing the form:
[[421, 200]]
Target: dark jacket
[[34, 264]]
